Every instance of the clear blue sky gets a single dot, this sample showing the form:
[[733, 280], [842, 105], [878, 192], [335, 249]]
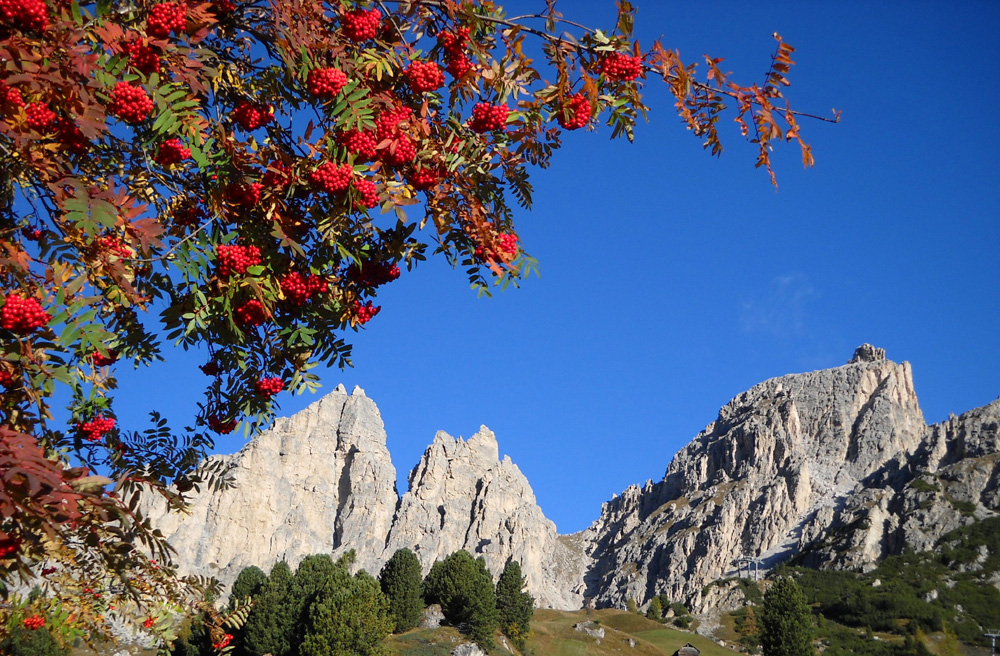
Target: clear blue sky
[[671, 280]]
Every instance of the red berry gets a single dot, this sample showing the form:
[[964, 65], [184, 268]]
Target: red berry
[[22, 315], [400, 151], [40, 116], [142, 57], [575, 112], [250, 116], [71, 137], [130, 103], [367, 193], [10, 96], [24, 14], [298, 289], [244, 195], [96, 428], [360, 25], [387, 125], [8, 545], [453, 44], [365, 312], [34, 622], [424, 178], [424, 76], [172, 151], [487, 117], [148, 623], [268, 387], [6, 378], [100, 360], [250, 315], [360, 143], [221, 426], [503, 249], [221, 644], [373, 273], [326, 82], [621, 67], [235, 259], [165, 18], [331, 178]]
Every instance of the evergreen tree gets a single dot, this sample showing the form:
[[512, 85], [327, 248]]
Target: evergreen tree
[[248, 583], [400, 580], [464, 588], [786, 627], [266, 628], [514, 606], [349, 616], [31, 642], [310, 576], [655, 610]]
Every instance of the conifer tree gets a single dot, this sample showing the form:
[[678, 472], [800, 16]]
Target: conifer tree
[[786, 627], [655, 610], [349, 616], [400, 580], [249, 583], [464, 588], [514, 606], [265, 630]]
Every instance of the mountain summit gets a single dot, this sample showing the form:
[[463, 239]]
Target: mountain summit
[[836, 467]]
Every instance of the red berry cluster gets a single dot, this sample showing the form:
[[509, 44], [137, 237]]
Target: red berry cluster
[[71, 137], [24, 14], [250, 314], [269, 386], [210, 368], [189, 214], [40, 116], [424, 76], [220, 425], [101, 360], [8, 545], [22, 315], [221, 644], [367, 193], [246, 194], [298, 289], [401, 151], [504, 250], [250, 116], [10, 96], [96, 428], [172, 151], [365, 312], [130, 103], [621, 67], [360, 25], [142, 57], [424, 178], [31, 233], [165, 18], [360, 142], [148, 623], [235, 259], [387, 125], [331, 178], [6, 378], [453, 44], [575, 112], [277, 176], [487, 117], [326, 82], [110, 245], [373, 273], [34, 622]]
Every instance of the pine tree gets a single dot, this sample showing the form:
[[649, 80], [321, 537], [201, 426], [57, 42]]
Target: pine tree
[[400, 580], [349, 616], [249, 583], [266, 628], [655, 610], [514, 606], [464, 588], [786, 627]]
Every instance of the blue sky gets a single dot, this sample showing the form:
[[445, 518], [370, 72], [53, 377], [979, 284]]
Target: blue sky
[[671, 280]]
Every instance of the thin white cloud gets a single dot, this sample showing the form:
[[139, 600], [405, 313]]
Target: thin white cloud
[[781, 309]]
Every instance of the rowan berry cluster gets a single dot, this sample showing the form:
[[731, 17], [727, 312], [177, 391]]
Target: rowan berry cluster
[[250, 116], [387, 125], [504, 249], [223, 643], [621, 67], [359, 142], [142, 57], [424, 76], [233, 258], [110, 245], [96, 428], [31, 233], [6, 378], [10, 96], [189, 214], [268, 387], [575, 112], [298, 289], [34, 622], [148, 623], [246, 194], [8, 545], [71, 137], [24, 14], [165, 18], [100, 360], [424, 178], [172, 151], [277, 176], [373, 273], [367, 193], [250, 314], [401, 151], [210, 368], [331, 178], [39, 116], [130, 103], [326, 82], [365, 312], [360, 25], [220, 425], [453, 44], [487, 117], [22, 315]]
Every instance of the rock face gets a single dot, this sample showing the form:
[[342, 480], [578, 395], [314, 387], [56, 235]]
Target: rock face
[[835, 468]]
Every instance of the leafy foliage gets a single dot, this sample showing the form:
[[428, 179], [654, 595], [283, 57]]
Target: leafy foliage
[[401, 580], [786, 626], [464, 588], [515, 606]]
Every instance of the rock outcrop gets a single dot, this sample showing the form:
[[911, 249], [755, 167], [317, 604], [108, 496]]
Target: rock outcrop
[[835, 468]]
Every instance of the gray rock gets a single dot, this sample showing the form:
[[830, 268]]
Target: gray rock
[[433, 617], [590, 628], [468, 649]]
